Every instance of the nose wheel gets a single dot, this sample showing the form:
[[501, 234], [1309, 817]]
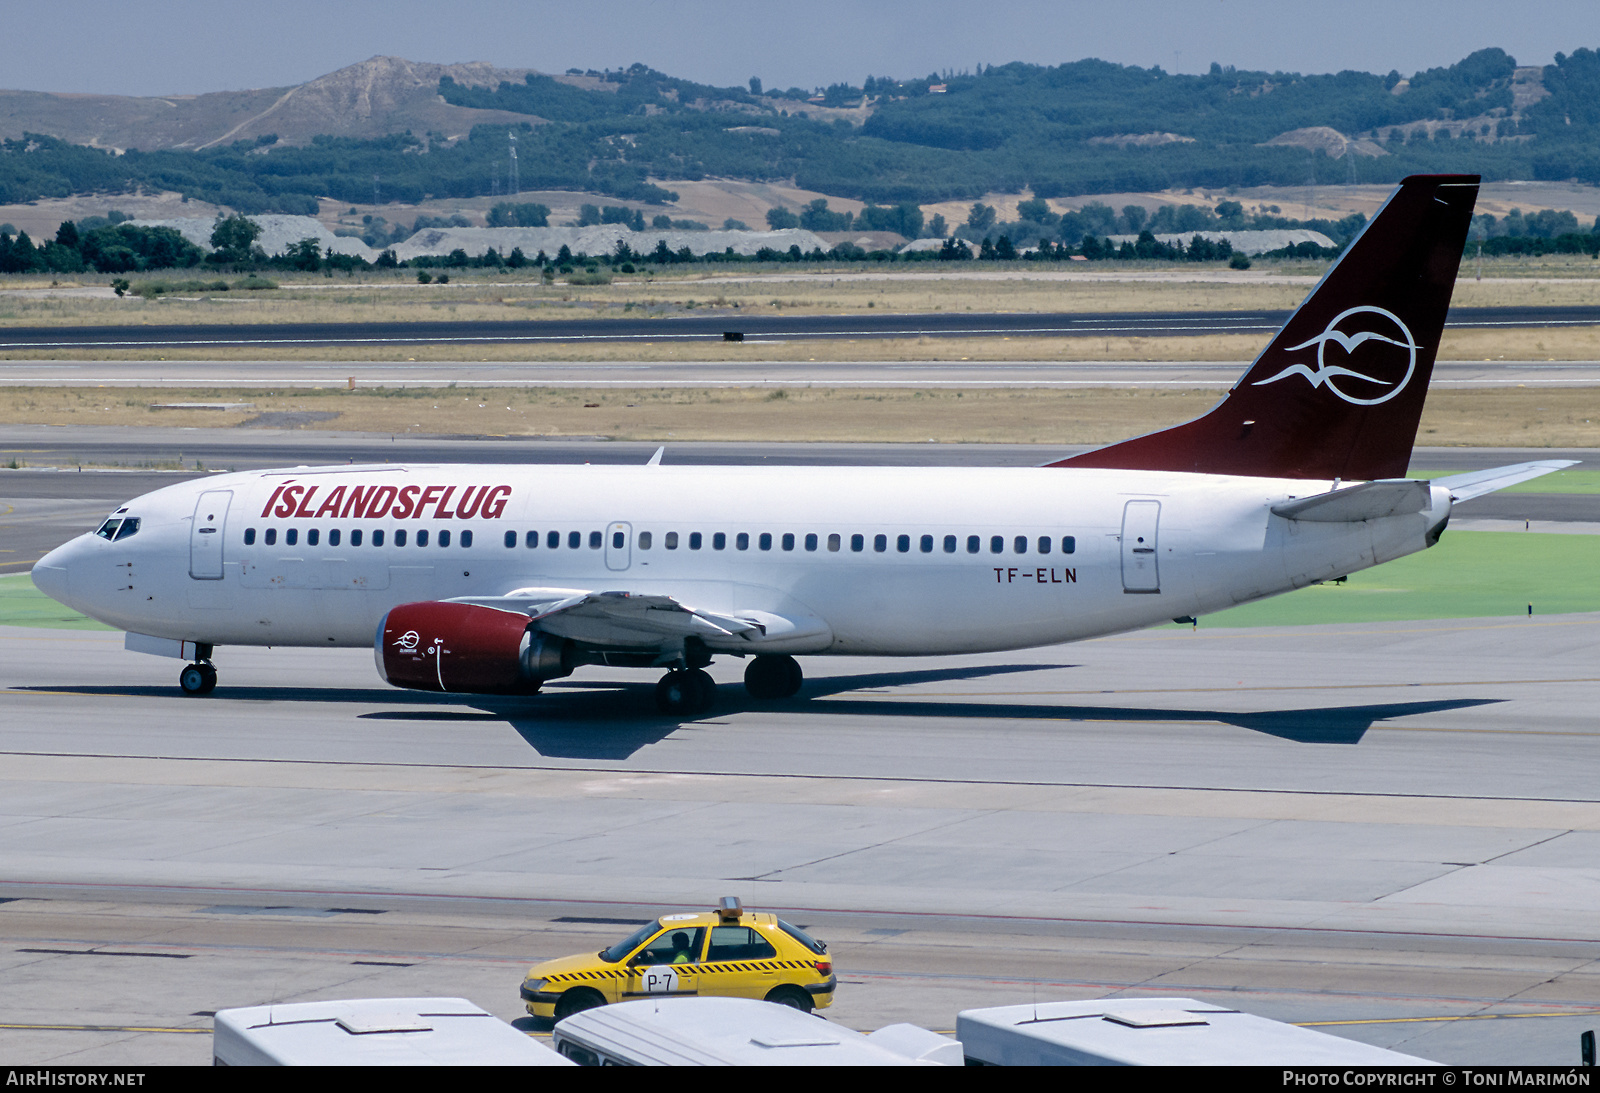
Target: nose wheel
[[199, 678], [685, 691]]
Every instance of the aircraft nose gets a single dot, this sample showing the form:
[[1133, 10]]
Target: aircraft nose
[[50, 573]]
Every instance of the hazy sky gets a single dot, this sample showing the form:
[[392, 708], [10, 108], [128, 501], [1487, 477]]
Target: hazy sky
[[177, 46]]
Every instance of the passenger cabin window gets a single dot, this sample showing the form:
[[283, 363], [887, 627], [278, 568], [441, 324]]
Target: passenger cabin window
[[1044, 544], [400, 537], [997, 544], [552, 540], [694, 540], [949, 544], [596, 540], [902, 543], [422, 537], [811, 542], [670, 540], [355, 537], [511, 539], [973, 544], [719, 541], [466, 538], [377, 538], [1020, 544], [272, 536], [926, 544], [333, 537], [765, 542], [1069, 544], [574, 540], [292, 536], [858, 543], [645, 540], [530, 539], [880, 543], [833, 542], [312, 536], [617, 539], [444, 538], [249, 536], [742, 541]]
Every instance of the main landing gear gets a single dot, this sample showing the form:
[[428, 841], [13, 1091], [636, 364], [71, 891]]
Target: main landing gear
[[685, 691], [769, 677], [199, 678], [692, 691]]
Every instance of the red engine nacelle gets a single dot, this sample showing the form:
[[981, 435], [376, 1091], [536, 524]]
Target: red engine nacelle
[[464, 648]]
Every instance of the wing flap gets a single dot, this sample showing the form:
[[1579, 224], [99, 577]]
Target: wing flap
[[636, 620]]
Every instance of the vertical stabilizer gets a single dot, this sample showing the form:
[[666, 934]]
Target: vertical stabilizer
[[1339, 392]]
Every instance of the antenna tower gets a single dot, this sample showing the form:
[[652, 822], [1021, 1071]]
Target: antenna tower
[[515, 182]]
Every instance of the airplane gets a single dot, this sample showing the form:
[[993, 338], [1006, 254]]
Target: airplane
[[493, 579]]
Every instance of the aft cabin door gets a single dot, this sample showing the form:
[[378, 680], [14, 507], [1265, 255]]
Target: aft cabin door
[[205, 537], [1140, 520], [619, 546]]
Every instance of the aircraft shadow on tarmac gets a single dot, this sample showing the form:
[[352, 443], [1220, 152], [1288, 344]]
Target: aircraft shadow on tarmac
[[604, 719]]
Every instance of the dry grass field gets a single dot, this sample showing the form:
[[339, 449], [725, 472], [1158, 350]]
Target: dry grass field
[[487, 296], [1515, 417]]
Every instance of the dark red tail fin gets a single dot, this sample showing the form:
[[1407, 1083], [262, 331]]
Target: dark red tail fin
[[1338, 393]]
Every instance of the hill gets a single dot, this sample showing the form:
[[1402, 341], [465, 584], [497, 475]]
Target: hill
[[424, 130], [375, 98]]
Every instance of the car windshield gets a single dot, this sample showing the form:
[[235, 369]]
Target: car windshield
[[803, 938], [622, 948]]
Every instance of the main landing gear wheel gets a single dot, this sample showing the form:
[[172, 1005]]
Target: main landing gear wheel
[[198, 679], [685, 691], [768, 677]]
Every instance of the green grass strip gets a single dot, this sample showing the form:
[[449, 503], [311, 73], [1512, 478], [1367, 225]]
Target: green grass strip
[[1470, 574], [21, 604], [1569, 481]]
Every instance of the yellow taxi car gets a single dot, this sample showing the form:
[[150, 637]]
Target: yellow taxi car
[[729, 952]]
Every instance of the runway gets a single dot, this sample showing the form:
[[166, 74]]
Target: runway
[[1363, 823], [716, 327], [713, 373]]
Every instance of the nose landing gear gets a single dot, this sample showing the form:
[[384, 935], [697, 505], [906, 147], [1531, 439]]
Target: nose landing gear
[[199, 678]]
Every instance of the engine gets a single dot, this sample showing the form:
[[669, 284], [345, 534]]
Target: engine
[[465, 648]]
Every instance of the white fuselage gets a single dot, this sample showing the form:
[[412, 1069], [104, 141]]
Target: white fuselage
[[248, 559]]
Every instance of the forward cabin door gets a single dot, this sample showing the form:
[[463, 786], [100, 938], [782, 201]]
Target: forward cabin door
[[1140, 521], [205, 537], [619, 546]]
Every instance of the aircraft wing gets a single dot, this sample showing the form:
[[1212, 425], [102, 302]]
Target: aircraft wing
[[635, 620], [1464, 487]]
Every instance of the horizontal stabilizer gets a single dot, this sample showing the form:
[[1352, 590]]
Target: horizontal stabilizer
[[1464, 487], [1368, 501]]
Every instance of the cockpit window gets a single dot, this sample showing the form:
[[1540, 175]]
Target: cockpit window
[[119, 528]]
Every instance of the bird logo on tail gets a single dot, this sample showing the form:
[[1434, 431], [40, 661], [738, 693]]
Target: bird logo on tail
[[1347, 383]]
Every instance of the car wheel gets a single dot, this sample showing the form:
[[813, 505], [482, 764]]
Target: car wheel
[[793, 997], [577, 1000]]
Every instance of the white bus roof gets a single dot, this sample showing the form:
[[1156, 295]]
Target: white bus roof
[[1153, 1032], [373, 1032], [726, 1032]]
